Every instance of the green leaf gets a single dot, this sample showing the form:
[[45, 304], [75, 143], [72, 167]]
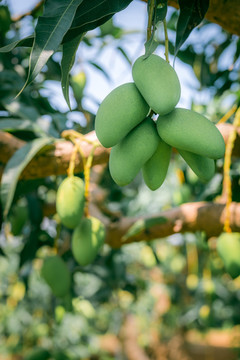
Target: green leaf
[[150, 45], [143, 225], [68, 57], [12, 125], [14, 168], [98, 67], [28, 41], [20, 109], [91, 14], [161, 12], [191, 14], [123, 52], [50, 30]]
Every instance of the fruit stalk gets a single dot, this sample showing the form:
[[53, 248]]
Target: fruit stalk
[[150, 17], [226, 170], [166, 40], [87, 170]]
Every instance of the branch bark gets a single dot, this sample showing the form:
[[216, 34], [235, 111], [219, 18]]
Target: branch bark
[[190, 217], [56, 160], [222, 12]]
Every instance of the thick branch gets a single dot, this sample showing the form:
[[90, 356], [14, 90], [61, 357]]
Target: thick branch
[[56, 160], [222, 12], [189, 217]]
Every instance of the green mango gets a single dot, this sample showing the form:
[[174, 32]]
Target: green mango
[[87, 239], [38, 354], [70, 201], [122, 110], [202, 166], [127, 157], [190, 131], [57, 275], [155, 169], [158, 83], [228, 248]]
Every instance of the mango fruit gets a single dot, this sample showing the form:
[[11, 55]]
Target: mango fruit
[[155, 169], [228, 248], [57, 275], [128, 156], [70, 201], [87, 239], [202, 166], [158, 83], [190, 131], [122, 110]]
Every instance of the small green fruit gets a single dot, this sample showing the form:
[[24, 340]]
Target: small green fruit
[[228, 247], [127, 157], [155, 169], [122, 110], [70, 201], [87, 239], [202, 166], [158, 83], [56, 274], [190, 131]]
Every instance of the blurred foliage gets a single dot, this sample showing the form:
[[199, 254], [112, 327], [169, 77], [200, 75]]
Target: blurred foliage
[[169, 286]]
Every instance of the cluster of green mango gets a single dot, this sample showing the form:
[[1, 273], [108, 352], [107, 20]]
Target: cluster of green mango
[[87, 238], [138, 142]]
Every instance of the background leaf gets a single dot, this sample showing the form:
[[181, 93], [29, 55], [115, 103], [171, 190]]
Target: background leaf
[[15, 166], [50, 30], [28, 41], [68, 57], [142, 225], [91, 15], [191, 14]]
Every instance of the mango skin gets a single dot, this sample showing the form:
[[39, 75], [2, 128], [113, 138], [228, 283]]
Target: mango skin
[[70, 201], [87, 239], [155, 169], [122, 110], [56, 274], [228, 248], [190, 131], [127, 157], [158, 83], [202, 166]]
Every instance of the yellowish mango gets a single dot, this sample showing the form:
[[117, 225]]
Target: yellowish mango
[[155, 169], [57, 275], [122, 110], [128, 156], [190, 131], [228, 247], [70, 201], [158, 83], [87, 239], [202, 166]]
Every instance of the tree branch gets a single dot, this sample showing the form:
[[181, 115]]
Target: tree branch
[[222, 12], [56, 160], [190, 217]]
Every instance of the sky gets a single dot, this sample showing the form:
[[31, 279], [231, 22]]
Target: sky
[[134, 17]]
